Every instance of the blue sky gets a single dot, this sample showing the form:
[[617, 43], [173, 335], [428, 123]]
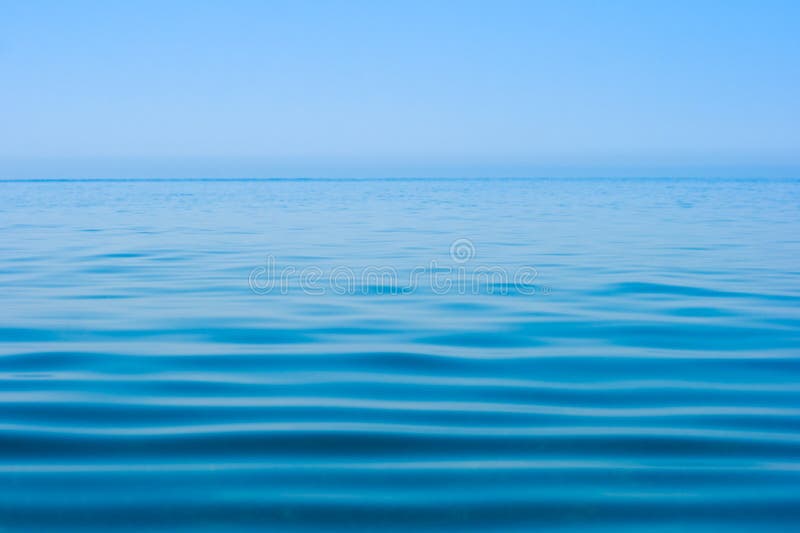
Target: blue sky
[[258, 89]]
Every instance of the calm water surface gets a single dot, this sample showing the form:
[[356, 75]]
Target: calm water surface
[[648, 377]]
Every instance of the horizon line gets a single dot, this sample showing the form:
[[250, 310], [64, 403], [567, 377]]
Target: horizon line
[[397, 178]]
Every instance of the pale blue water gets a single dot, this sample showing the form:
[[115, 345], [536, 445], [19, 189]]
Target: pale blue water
[[647, 377]]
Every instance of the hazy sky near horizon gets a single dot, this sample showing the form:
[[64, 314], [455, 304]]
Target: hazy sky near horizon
[[334, 86]]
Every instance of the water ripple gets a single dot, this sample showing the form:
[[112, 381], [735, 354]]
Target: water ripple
[[654, 385]]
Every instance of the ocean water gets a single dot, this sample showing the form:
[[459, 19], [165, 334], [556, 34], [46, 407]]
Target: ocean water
[[406, 355]]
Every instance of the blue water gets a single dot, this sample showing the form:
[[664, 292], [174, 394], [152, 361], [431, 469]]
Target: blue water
[[175, 355]]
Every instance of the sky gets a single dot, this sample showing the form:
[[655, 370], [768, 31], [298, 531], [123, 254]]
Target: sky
[[433, 88]]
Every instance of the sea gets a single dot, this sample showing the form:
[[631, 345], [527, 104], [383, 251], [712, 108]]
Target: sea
[[400, 355]]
